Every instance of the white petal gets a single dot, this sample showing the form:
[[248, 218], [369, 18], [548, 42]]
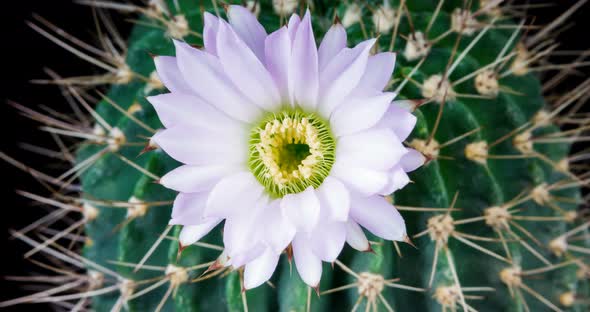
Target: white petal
[[245, 70], [204, 74], [358, 114], [191, 146], [245, 24], [308, 264], [170, 75], [278, 57], [412, 160], [399, 120], [260, 270], [304, 65], [378, 149], [192, 179], [378, 72], [243, 231], [180, 109], [210, 32], [328, 240], [355, 237], [293, 25], [192, 233], [233, 193], [334, 199], [240, 259], [378, 216], [397, 180], [188, 208], [363, 180], [302, 209], [334, 41], [342, 75], [279, 231]]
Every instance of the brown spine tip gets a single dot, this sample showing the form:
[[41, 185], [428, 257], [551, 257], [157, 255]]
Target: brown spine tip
[[317, 289], [409, 241], [337, 20], [152, 55], [181, 248], [147, 148], [370, 249], [156, 181], [196, 46]]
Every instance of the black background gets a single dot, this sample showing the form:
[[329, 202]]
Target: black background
[[25, 54]]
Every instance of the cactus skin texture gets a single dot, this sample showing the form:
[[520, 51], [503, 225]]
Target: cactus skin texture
[[124, 235]]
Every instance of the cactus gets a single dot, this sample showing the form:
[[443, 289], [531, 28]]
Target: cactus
[[493, 214]]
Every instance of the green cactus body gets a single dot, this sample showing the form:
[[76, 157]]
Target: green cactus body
[[118, 235]]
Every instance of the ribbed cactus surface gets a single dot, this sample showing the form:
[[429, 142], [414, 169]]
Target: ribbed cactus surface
[[488, 207]]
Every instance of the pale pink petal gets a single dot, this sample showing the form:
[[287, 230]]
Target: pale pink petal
[[260, 269], [279, 230], [192, 233], [241, 229], [327, 240], [293, 25], [304, 65], [232, 194], [308, 264], [397, 180], [341, 75], [334, 41], [210, 32], [201, 147], [204, 74], [302, 209], [362, 180], [188, 110], [245, 24], [378, 72], [358, 114], [412, 160], [245, 70], [378, 149], [278, 58], [355, 237], [378, 216], [192, 179], [188, 208], [334, 199], [170, 75], [399, 120]]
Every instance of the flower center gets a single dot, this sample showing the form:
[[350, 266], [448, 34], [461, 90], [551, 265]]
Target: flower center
[[290, 151]]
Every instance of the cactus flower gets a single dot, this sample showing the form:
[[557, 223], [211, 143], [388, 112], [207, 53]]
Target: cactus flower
[[288, 143]]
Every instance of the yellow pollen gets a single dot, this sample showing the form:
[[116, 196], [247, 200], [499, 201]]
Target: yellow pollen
[[290, 152], [283, 144]]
